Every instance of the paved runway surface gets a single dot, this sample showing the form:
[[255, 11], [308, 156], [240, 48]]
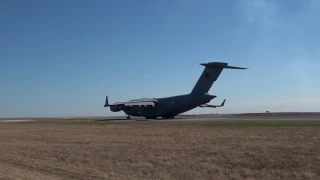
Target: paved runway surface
[[15, 120], [122, 119]]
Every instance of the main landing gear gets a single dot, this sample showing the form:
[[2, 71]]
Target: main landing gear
[[128, 117], [168, 117], [152, 117], [164, 117]]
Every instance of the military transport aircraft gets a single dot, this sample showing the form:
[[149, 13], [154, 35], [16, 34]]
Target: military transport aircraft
[[168, 107]]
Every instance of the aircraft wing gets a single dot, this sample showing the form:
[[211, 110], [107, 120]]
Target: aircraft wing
[[142, 103], [213, 106], [138, 102]]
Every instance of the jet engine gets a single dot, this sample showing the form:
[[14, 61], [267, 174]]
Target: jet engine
[[116, 108]]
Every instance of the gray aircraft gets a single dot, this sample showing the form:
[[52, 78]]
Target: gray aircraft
[[169, 107]]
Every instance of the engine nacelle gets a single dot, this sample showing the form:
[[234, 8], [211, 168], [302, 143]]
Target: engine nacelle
[[116, 108]]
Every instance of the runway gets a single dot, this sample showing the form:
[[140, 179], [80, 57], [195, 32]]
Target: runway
[[15, 120], [196, 118]]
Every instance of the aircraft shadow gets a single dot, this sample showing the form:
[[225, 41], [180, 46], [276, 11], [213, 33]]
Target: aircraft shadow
[[133, 119]]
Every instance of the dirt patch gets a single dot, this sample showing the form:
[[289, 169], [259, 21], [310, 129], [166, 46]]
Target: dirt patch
[[157, 151]]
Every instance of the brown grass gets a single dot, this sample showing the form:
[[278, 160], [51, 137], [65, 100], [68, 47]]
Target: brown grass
[[157, 151]]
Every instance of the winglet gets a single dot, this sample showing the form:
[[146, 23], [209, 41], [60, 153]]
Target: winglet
[[222, 104], [106, 104]]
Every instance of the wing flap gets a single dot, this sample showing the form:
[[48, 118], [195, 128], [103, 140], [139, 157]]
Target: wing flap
[[144, 103], [137, 103]]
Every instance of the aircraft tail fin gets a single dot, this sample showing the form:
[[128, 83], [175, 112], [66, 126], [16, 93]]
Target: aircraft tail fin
[[210, 74], [106, 104]]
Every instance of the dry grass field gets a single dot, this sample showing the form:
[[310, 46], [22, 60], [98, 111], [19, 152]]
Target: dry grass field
[[164, 150]]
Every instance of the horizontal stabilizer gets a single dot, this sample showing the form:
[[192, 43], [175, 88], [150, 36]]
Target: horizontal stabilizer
[[234, 67], [220, 65]]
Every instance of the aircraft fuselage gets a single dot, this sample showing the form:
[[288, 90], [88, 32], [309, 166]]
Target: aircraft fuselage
[[170, 106]]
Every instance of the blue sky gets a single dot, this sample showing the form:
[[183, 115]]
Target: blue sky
[[60, 58]]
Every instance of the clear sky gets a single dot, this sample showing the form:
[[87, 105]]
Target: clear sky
[[60, 58]]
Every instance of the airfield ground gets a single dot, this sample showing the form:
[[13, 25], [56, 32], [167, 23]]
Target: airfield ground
[[226, 147]]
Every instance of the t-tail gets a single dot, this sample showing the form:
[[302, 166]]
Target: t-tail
[[210, 74]]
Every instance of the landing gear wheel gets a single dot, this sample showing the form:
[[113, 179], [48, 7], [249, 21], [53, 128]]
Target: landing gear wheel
[[168, 117], [128, 117], [151, 117]]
